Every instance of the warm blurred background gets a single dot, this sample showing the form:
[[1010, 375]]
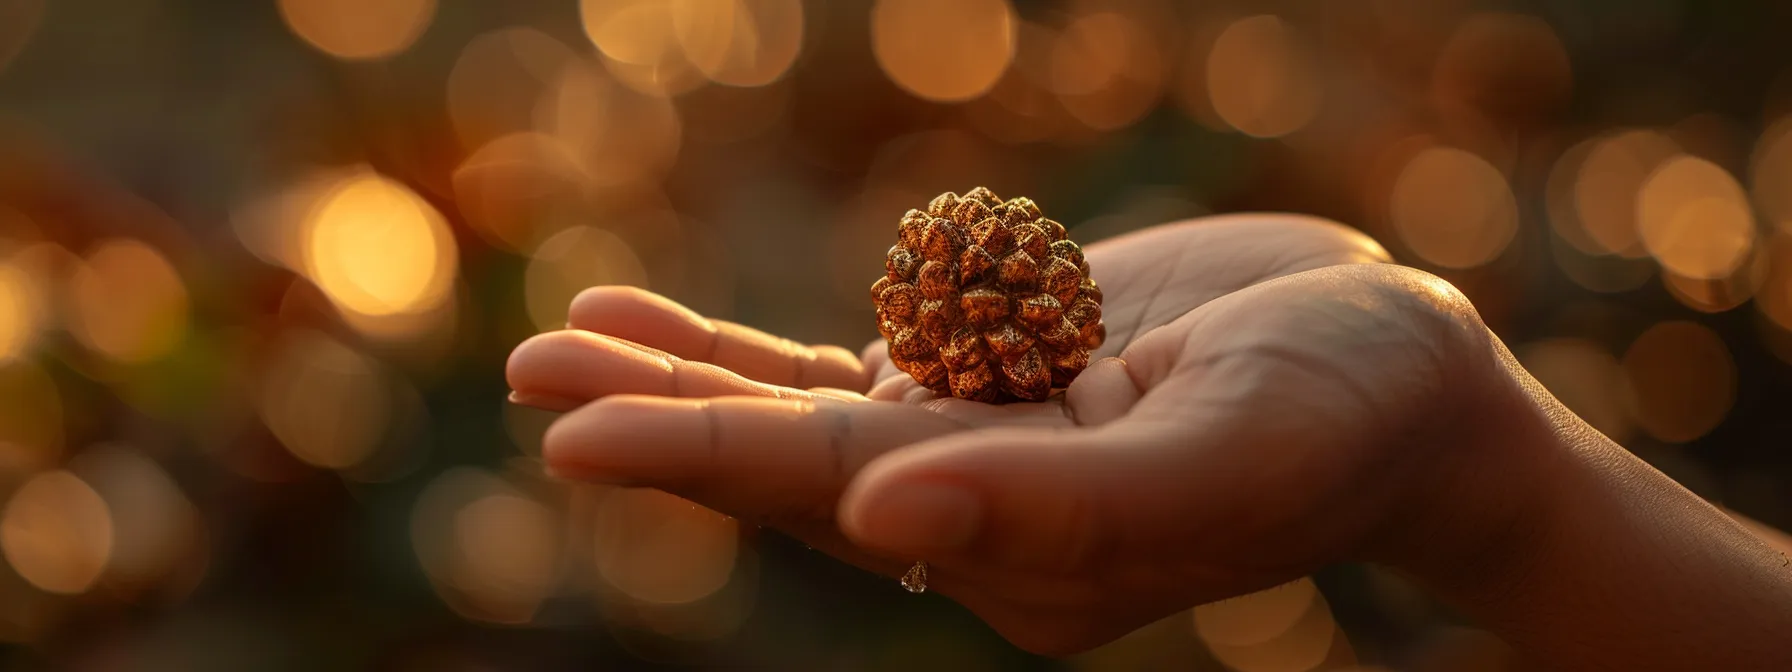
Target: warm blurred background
[[261, 262]]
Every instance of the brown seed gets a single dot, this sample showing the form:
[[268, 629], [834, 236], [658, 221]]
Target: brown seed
[[900, 301], [942, 205], [900, 263], [937, 280], [1040, 311], [941, 241], [1060, 279], [969, 212], [1028, 377], [983, 307], [1061, 336], [973, 263], [1068, 365], [983, 195], [938, 319], [1008, 341], [1030, 238], [987, 299], [1022, 209], [1018, 272], [976, 383], [908, 231], [963, 351], [1068, 251]]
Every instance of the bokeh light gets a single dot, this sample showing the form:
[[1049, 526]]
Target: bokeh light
[[358, 29], [22, 309], [1288, 628], [571, 261], [490, 550], [1107, 70], [943, 50], [328, 404], [1770, 173], [498, 80], [1606, 188], [1682, 380], [1453, 208], [128, 302], [57, 533], [618, 135], [1584, 377], [376, 248], [639, 42], [739, 42], [18, 20], [156, 532], [1695, 219], [659, 549], [1261, 79]]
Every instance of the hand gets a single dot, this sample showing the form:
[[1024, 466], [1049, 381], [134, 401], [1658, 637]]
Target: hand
[[1261, 408]]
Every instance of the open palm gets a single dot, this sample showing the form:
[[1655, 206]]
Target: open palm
[[1236, 431]]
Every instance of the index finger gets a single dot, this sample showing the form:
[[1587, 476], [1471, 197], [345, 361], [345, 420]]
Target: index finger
[[637, 315]]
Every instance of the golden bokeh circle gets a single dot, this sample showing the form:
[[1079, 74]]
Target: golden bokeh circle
[[1694, 218], [358, 29], [1682, 380], [57, 533], [1261, 79], [943, 50], [1452, 208], [377, 248]]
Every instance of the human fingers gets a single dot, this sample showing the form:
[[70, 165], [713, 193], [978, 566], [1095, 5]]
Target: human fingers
[[757, 457], [640, 316], [562, 370]]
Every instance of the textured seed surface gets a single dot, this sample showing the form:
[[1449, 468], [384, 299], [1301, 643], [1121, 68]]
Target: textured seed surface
[[987, 299]]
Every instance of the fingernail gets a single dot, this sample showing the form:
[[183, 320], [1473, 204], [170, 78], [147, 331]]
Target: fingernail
[[919, 517], [547, 402]]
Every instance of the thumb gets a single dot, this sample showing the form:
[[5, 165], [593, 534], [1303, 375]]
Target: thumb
[[1055, 500]]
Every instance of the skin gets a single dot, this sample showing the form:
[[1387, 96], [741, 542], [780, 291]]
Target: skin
[[1272, 398]]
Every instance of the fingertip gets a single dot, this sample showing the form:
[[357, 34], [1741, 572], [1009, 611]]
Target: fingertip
[[637, 315]]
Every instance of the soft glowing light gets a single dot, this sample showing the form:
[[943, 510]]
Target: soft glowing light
[[1107, 70], [490, 550], [328, 404], [739, 42], [18, 20], [1283, 629], [1453, 208], [1682, 380], [1605, 191], [57, 533], [508, 547], [21, 310], [376, 248], [1774, 296], [1695, 219], [1771, 173], [639, 43], [1255, 618], [571, 261], [30, 418], [128, 302], [358, 29], [617, 135], [1022, 107], [660, 549], [155, 528], [520, 188], [1584, 377], [943, 50], [1260, 78], [498, 79]]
